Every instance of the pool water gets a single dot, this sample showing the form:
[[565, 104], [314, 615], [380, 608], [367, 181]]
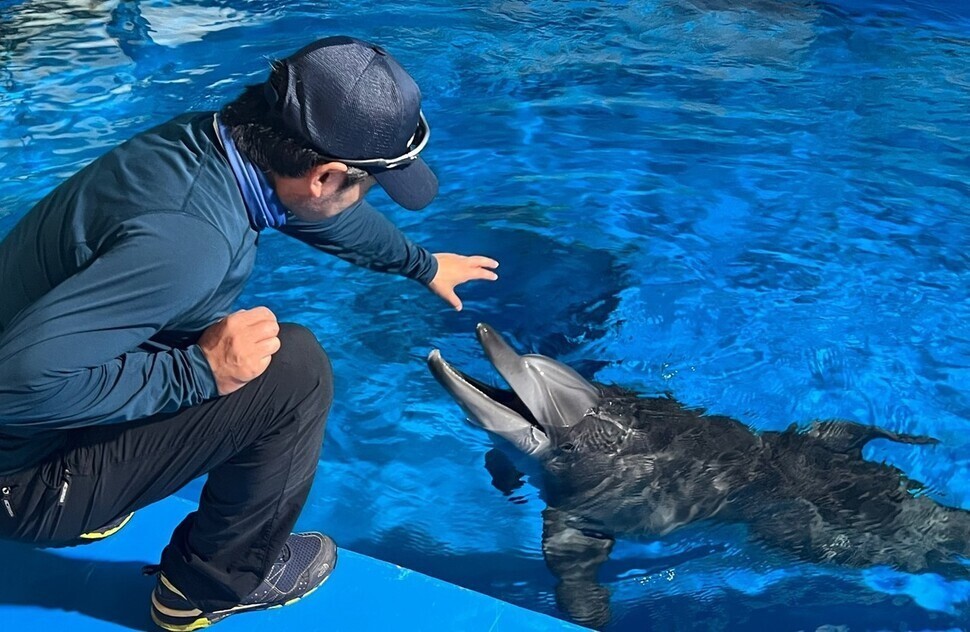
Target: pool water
[[760, 207]]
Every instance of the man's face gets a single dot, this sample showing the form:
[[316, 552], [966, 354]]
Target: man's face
[[322, 193]]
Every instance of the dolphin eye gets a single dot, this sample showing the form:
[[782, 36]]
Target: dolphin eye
[[568, 447]]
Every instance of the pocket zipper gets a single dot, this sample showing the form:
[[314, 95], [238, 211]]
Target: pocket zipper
[[65, 485], [6, 501]]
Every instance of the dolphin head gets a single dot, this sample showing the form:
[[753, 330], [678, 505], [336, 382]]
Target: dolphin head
[[545, 395]]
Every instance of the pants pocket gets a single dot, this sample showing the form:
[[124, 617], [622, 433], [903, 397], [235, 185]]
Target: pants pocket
[[7, 497], [17, 501], [53, 509], [31, 502]]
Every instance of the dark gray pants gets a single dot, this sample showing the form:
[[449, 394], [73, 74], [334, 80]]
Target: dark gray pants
[[260, 447]]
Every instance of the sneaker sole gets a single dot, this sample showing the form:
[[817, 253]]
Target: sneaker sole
[[216, 617]]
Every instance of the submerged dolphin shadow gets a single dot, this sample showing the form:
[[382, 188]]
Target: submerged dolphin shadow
[[616, 464], [115, 592]]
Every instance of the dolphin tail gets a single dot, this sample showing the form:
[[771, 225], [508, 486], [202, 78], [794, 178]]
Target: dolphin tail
[[849, 437], [574, 556]]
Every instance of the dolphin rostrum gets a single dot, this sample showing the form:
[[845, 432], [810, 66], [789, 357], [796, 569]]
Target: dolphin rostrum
[[616, 464]]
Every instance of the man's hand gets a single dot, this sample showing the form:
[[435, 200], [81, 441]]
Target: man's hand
[[239, 347], [453, 270]]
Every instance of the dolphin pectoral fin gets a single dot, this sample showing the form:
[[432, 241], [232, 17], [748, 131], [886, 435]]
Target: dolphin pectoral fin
[[505, 476], [849, 437], [574, 556]]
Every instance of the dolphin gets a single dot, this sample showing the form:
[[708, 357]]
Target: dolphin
[[617, 464]]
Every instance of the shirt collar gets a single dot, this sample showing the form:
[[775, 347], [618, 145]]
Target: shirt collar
[[262, 204]]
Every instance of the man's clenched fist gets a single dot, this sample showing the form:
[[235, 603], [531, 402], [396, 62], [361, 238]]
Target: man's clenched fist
[[240, 346]]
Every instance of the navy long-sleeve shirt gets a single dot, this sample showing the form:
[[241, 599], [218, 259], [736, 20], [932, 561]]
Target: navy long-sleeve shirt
[[107, 282]]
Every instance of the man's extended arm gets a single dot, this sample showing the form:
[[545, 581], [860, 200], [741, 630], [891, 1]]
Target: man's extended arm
[[69, 359], [364, 237]]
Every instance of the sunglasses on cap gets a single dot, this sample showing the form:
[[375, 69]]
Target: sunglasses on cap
[[414, 147]]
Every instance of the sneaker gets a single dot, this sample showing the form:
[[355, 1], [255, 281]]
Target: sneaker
[[107, 530], [306, 561]]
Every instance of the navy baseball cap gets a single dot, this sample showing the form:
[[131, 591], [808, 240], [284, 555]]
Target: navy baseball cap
[[353, 103]]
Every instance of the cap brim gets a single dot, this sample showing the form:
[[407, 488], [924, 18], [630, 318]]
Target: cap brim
[[412, 186]]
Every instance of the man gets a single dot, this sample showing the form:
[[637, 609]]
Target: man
[[110, 399]]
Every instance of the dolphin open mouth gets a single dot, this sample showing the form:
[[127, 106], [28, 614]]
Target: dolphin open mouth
[[544, 394]]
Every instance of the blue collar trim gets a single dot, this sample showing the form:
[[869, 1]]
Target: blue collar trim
[[262, 203]]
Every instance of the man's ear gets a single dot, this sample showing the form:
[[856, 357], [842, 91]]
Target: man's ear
[[325, 180]]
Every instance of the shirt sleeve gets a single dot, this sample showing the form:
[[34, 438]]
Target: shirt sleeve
[[364, 237], [70, 360]]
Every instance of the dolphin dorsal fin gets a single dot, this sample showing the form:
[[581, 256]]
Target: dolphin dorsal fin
[[849, 437]]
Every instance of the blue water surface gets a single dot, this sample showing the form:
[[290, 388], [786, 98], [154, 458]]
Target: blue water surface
[[759, 206]]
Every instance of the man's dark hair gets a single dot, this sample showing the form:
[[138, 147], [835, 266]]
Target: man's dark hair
[[262, 139]]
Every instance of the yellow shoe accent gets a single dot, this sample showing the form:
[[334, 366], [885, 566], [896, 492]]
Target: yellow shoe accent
[[100, 535], [173, 613], [169, 585], [198, 624]]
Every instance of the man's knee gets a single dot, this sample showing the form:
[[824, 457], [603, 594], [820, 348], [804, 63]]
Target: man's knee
[[301, 362]]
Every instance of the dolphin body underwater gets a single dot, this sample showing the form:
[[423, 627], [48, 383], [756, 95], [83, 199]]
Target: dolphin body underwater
[[616, 464]]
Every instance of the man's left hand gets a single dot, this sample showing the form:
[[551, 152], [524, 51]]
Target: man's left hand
[[453, 270]]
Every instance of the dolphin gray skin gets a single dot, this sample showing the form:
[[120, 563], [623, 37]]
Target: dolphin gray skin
[[616, 464]]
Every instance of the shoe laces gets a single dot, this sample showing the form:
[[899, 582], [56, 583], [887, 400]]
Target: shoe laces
[[285, 554]]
